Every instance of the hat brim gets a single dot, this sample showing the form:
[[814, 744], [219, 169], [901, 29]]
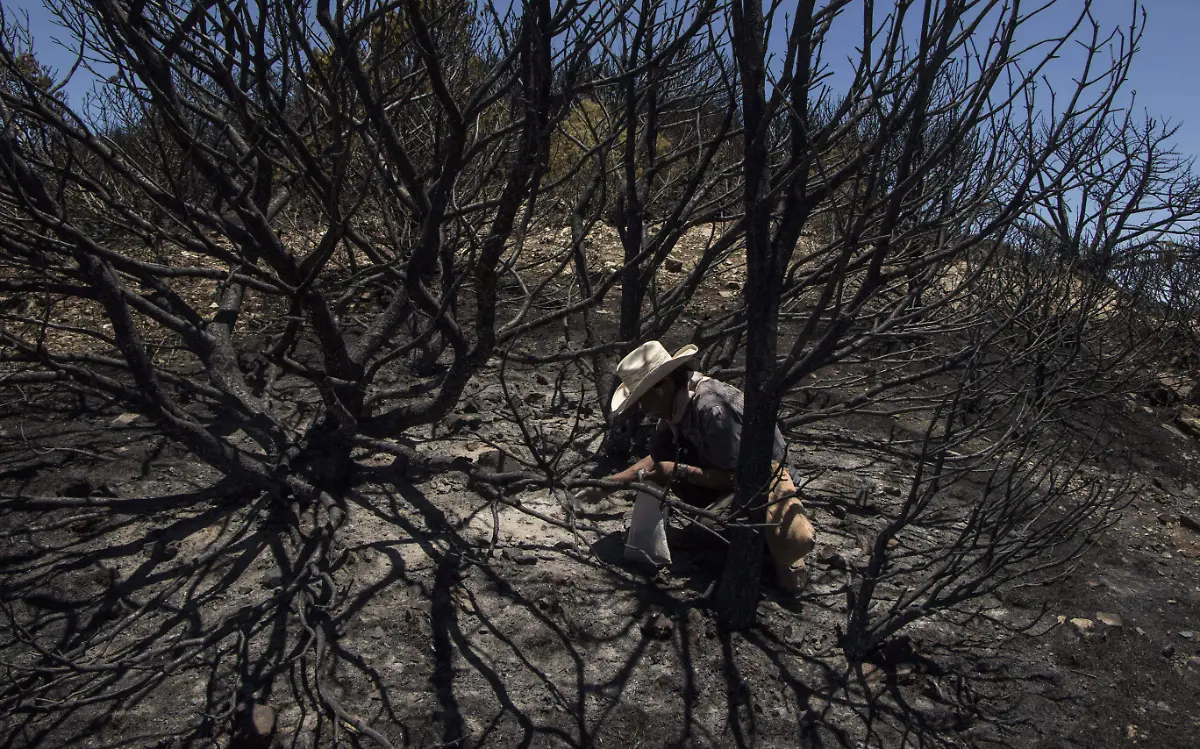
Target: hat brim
[[624, 398]]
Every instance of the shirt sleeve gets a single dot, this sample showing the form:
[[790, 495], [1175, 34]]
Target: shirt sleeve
[[721, 425]]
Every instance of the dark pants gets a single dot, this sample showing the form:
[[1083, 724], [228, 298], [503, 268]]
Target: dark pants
[[664, 447], [787, 544]]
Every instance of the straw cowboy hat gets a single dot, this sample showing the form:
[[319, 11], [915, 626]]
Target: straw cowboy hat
[[643, 368]]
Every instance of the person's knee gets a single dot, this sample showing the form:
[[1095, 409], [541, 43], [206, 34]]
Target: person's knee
[[803, 530], [797, 532]]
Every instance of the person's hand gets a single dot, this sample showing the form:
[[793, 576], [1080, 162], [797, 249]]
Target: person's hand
[[590, 495], [659, 473]]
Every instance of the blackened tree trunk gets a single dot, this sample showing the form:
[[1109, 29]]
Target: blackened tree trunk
[[770, 243], [737, 594]]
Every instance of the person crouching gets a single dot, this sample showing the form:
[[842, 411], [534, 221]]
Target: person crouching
[[694, 453]]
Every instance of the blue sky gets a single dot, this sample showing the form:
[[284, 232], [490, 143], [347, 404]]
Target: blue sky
[[1166, 69], [1166, 72], [1165, 77], [1164, 81]]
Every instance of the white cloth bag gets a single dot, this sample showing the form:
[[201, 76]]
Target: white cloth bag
[[647, 539]]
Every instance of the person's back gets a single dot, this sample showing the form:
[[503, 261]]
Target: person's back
[[710, 429]]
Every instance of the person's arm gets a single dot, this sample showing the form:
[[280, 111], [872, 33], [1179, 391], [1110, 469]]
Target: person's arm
[[707, 478], [594, 494], [630, 474]]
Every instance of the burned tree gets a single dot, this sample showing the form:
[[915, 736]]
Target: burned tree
[[351, 174], [282, 234], [859, 202]]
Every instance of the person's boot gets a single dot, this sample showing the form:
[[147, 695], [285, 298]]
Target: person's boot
[[792, 579]]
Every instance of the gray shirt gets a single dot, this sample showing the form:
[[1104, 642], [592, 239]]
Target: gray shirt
[[710, 429]]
